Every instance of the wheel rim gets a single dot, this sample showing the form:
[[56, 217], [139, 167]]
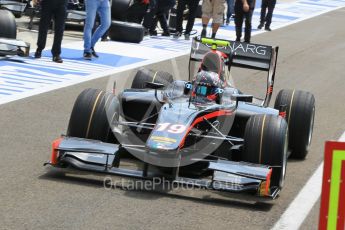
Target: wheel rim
[[311, 127], [286, 147]]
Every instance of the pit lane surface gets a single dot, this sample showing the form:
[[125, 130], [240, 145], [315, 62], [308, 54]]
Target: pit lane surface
[[311, 57]]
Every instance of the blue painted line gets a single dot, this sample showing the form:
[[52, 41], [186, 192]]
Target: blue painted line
[[15, 83], [37, 78], [47, 69], [276, 16], [39, 82], [20, 87], [258, 4], [11, 90], [316, 4], [5, 93], [104, 58], [159, 47]]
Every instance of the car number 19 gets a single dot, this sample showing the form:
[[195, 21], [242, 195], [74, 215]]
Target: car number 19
[[171, 128]]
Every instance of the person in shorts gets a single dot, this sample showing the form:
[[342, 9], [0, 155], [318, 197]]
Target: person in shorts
[[212, 9]]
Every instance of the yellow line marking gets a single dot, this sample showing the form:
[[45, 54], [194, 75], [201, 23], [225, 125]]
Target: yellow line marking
[[292, 97], [262, 132], [93, 110]]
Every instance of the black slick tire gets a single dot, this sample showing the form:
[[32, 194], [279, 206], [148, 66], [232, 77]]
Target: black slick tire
[[92, 113], [300, 113], [147, 75], [266, 142]]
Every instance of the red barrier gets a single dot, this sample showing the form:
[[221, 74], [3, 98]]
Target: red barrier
[[332, 210]]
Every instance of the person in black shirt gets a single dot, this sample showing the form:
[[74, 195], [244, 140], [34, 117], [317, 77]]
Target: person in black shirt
[[266, 5], [56, 10], [244, 10], [192, 6], [161, 14]]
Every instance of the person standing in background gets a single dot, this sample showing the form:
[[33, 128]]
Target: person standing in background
[[149, 15], [244, 10], [137, 11], [181, 6], [56, 10], [229, 11], [266, 6], [161, 15], [90, 40], [212, 9]]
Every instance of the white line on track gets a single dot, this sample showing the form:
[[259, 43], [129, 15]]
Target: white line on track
[[300, 207], [342, 138]]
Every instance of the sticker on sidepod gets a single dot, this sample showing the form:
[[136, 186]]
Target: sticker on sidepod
[[161, 139], [161, 142]]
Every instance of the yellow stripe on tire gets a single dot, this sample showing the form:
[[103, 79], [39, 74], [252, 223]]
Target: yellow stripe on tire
[[92, 112]]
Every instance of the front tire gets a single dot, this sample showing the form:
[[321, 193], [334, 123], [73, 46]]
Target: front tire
[[300, 113], [93, 112], [265, 142]]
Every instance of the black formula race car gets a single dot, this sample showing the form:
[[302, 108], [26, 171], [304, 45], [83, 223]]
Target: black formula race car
[[201, 132]]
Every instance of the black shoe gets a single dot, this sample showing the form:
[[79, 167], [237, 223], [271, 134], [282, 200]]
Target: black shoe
[[87, 56], [227, 21], [105, 39], [177, 34], [260, 26], [203, 33], [187, 36], [57, 59], [38, 53], [268, 29], [93, 52], [238, 39], [153, 33], [166, 34]]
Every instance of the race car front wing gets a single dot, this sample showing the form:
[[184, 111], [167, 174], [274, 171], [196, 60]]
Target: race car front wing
[[9, 46], [239, 178]]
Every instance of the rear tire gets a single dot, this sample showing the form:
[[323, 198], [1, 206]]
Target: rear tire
[[7, 24], [266, 142], [92, 112], [126, 32], [147, 75], [300, 112]]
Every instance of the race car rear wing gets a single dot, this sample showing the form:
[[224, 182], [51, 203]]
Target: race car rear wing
[[10, 46], [245, 55], [241, 54]]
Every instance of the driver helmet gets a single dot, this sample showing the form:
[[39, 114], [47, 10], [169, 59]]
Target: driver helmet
[[207, 85], [214, 61]]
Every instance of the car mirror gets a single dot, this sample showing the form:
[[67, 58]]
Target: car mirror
[[153, 85], [242, 97]]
